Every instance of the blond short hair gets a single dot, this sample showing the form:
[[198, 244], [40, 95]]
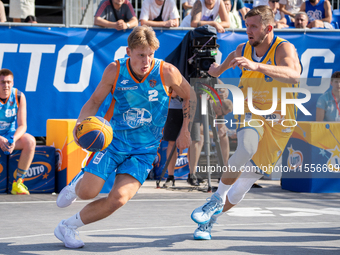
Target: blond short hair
[[143, 36], [265, 12]]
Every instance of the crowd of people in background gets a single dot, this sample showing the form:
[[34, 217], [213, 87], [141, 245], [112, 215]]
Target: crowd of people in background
[[221, 14], [19, 11]]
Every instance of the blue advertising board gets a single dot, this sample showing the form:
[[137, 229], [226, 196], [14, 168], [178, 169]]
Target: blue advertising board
[[59, 68]]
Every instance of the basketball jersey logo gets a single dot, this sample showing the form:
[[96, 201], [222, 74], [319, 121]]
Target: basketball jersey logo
[[135, 117], [268, 78]]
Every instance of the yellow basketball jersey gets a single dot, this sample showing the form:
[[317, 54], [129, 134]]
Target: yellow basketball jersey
[[262, 85], [273, 135]]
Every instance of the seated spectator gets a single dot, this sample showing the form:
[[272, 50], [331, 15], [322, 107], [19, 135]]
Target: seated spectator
[[31, 19], [279, 17], [13, 126], [159, 13], [118, 14], [301, 20], [290, 8], [21, 9], [2, 12], [205, 12], [187, 6], [233, 12], [328, 104], [239, 7], [319, 13]]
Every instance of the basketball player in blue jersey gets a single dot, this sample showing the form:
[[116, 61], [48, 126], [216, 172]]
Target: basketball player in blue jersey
[[135, 94], [266, 62], [12, 112]]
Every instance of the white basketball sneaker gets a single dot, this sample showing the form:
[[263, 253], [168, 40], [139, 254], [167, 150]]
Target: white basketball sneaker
[[203, 232], [202, 214], [67, 234], [68, 194]]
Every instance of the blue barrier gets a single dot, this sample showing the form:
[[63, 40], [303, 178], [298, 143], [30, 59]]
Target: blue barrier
[[40, 177], [58, 68]]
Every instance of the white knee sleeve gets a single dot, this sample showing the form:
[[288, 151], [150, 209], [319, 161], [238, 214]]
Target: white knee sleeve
[[242, 186], [247, 142]]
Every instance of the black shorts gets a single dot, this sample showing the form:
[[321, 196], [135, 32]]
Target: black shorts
[[173, 124]]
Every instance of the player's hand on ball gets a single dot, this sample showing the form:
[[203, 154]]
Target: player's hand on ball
[[94, 133], [75, 138]]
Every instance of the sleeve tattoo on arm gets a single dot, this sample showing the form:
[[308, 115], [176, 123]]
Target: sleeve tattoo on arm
[[196, 9]]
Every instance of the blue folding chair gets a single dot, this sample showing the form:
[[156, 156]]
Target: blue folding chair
[[336, 18], [248, 5]]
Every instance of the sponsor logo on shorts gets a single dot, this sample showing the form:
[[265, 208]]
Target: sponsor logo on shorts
[[286, 130], [247, 116], [98, 158]]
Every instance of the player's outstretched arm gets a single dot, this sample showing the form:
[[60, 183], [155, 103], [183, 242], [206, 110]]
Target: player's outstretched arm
[[104, 87], [216, 70], [176, 82]]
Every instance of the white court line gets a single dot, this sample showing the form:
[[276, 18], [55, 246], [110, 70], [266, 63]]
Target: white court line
[[177, 200], [182, 226]]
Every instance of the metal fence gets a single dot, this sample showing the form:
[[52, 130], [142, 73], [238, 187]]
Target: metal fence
[[81, 12]]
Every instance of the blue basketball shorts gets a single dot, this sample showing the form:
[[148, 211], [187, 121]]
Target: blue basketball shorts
[[104, 163]]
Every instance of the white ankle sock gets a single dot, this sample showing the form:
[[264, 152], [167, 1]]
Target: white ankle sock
[[215, 216], [74, 220], [222, 190]]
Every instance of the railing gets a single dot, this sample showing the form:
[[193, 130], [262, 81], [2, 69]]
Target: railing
[[81, 12]]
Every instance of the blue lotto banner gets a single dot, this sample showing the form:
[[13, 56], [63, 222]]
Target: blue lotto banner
[[59, 68], [40, 177], [3, 172]]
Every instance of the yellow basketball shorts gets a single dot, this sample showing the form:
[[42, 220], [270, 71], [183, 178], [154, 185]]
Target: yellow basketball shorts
[[273, 138]]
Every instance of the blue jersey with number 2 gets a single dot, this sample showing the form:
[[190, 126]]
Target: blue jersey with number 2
[[137, 110]]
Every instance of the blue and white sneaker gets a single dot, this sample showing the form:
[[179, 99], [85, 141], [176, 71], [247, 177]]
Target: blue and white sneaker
[[203, 232], [202, 214], [68, 194]]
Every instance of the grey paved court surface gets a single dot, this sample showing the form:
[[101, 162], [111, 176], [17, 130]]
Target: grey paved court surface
[[157, 221]]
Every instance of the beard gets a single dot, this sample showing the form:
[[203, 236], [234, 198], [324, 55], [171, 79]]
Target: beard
[[258, 42], [312, 1]]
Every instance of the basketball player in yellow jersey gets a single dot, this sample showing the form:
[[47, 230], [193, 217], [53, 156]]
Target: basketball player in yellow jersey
[[266, 62]]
